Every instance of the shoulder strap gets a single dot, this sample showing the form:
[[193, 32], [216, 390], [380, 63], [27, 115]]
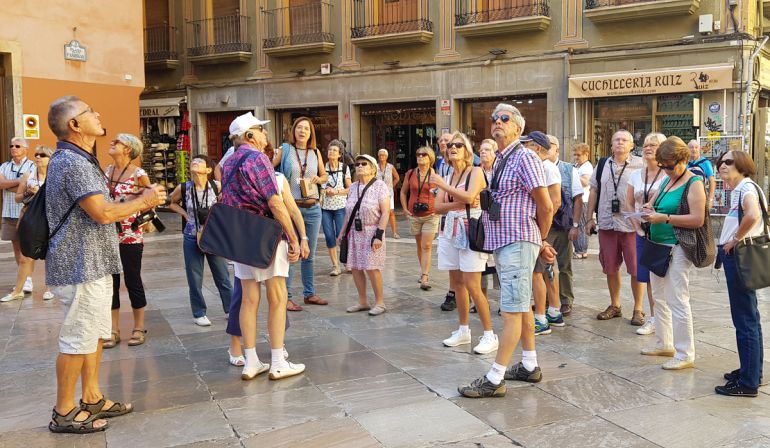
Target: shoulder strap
[[765, 218], [599, 172], [356, 207], [468, 206], [64, 218], [215, 188], [183, 190]]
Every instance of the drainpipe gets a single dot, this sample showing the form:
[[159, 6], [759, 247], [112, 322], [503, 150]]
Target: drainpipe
[[747, 115]]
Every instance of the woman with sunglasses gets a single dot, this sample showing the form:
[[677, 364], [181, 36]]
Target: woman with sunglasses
[[419, 207], [333, 205], [126, 180], [742, 221], [642, 185], [460, 189], [673, 316], [28, 187]]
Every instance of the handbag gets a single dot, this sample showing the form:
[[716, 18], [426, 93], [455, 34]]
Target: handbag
[[752, 254], [476, 236], [655, 256], [343, 255], [697, 244]]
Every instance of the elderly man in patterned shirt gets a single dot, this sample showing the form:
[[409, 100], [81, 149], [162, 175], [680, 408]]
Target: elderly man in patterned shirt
[[517, 217]]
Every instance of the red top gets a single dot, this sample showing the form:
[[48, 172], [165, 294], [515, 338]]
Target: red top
[[422, 188]]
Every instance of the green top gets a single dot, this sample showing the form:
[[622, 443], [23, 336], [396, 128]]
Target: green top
[[668, 204]]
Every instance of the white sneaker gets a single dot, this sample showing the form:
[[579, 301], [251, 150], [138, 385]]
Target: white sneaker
[[647, 328], [285, 353], [48, 295], [458, 338], [11, 297], [251, 373], [203, 321], [286, 370], [27, 285], [487, 344]]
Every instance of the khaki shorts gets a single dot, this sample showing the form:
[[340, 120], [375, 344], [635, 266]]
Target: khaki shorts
[[87, 315], [8, 231], [423, 224]]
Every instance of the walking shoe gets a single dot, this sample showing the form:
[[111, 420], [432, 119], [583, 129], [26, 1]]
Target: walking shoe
[[335, 272], [27, 285], [647, 328], [449, 303], [377, 310], [285, 371], [638, 318], [11, 297], [202, 321], [557, 321], [482, 388], [487, 344], [48, 295], [677, 364], [609, 313], [458, 338], [733, 376], [518, 372], [542, 328], [566, 309], [733, 389], [656, 351], [249, 374], [396, 236]]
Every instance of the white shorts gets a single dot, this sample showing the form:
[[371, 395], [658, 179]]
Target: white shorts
[[392, 202], [453, 259], [279, 268], [87, 315]]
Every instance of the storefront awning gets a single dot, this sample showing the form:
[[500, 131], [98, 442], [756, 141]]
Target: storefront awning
[[160, 107], [652, 82]]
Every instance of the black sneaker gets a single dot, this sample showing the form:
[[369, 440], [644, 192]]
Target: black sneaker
[[473, 310], [733, 389], [449, 303], [566, 309], [482, 388], [518, 373], [733, 376]]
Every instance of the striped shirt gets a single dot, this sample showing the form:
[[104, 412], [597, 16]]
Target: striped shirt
[[522, 173], [12, 171]]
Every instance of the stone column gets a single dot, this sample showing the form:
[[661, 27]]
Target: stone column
[[446, 32], [348, 60], [189, 76], [263, 67], [571, 25]]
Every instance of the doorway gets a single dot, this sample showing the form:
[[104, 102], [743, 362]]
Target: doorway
[[218, 133]]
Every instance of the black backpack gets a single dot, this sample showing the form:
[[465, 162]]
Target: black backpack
[[34, 234], [599, 171]]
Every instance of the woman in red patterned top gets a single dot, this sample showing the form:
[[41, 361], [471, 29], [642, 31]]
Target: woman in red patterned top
[[126, 180]]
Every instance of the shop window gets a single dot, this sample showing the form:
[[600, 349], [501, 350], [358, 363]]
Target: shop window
[[476, 112]]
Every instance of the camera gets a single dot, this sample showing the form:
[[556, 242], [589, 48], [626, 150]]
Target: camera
[[146, 217], [616, 205], [358, 224], [203, 215], [419, 207], [485, 199]]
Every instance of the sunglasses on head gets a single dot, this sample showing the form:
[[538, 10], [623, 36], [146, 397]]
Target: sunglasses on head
[[503, 118], [16, 146], [42, 155], [728, 162], [362, 163], [456, 145]]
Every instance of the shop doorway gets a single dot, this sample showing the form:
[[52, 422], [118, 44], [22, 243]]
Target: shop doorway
[[401, 128], [218, 133], [325, 122], [475, 113]]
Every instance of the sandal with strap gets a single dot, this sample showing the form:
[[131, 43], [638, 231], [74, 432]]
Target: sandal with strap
[[137, 337], [424, 285], [67, 423], [610, 313], [113, 341], [97, 409]]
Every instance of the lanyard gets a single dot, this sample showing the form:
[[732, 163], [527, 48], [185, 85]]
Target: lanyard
[[196, 204], [449, 196], [18, 173], [420, 186], [612, 173], [644, 187], [334, 174], [500, 166], [302, 165], [665, 191], [383, 172], [113, 182]]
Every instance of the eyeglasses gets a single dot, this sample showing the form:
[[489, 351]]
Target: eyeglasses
[[456, 145], [88, 110], [362, 163], [503, 118], [42, 155], [16, 146], [728, 162], [422, 154], [258, 127], [667, 167]]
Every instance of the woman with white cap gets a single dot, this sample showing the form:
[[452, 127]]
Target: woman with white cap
[[388, 174], [366, 241]]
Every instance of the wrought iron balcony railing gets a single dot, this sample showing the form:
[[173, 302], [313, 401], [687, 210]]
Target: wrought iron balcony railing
[[218, 35], [470, 12], [160, 43], [593, 4], [297, 25], [400, 16]]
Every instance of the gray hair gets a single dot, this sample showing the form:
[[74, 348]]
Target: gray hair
[[655, 137], [553, 140], [133, 143], [60, 113], [624, 131], [338, 143], [20, 140], [47, 150], [490, 142], [696, 142], [517, 117]]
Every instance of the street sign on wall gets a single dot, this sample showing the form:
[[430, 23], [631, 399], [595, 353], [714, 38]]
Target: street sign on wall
[[73, 51]]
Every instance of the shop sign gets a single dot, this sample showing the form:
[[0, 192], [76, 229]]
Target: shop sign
[[671, 80], [714, 119], [31, 126], [73, 51], [159, 111]]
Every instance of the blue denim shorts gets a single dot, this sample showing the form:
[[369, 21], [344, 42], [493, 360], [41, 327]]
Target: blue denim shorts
[[515, 263]]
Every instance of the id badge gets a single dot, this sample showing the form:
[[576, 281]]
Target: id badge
[[494, 211], [358, 224], [616, 205]]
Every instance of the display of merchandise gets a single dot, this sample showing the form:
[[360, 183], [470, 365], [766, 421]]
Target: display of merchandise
[[160, 162]]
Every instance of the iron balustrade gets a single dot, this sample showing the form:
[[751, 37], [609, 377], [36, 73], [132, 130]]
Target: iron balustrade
[[395, 16], [468, 12], [160, 43], [218, 35], [297, 25], [593, 4]]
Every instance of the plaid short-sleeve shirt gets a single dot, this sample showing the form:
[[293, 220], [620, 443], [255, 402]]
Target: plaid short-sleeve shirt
[[522, 173]]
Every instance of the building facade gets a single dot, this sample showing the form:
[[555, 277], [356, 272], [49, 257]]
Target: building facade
[[397, 73], [49, 49]]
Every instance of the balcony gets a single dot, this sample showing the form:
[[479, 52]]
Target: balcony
[[160, 47], [492, 17], [296, 30], [392, 22], [218, 40], [600, 11]]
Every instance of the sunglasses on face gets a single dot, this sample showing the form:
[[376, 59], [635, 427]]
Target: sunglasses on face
[[503, 118], [667, 167], [362, 163], [456, 145], [42, 155], [15, 146], [421, 154], [728, 162]]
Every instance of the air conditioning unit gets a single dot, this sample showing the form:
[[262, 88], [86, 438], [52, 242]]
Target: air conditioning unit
[[326, 69]]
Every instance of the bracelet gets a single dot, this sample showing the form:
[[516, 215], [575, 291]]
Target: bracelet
[[305, 238]]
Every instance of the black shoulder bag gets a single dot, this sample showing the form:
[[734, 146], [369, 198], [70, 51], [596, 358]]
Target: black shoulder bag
[[752, 254], [343, 255], [655, 256], [476, 235]]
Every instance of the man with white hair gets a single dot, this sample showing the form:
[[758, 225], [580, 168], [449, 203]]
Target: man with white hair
[[701, 166], [617, 238], [11, 173]]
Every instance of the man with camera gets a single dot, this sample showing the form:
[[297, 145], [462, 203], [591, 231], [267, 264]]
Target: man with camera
[[82, 256], [517, 217], [617, 238]]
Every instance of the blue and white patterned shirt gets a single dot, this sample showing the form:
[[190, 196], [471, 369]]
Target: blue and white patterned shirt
[[12, 171]]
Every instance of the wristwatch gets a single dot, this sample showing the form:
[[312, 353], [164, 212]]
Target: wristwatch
[[575, 225]]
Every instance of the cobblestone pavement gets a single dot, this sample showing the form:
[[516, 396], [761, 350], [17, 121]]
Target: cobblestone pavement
[[380, 381]]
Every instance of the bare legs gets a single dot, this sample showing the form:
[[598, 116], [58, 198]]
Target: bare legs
[[25, 267], [375, 278]]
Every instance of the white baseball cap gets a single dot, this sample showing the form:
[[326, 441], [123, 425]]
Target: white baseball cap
[[368, 158], [244, 122]]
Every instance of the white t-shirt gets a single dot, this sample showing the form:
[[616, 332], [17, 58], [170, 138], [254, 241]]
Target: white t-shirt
[[227, 155], [586, 169], [636, 182], [552, 175], [730, 226]]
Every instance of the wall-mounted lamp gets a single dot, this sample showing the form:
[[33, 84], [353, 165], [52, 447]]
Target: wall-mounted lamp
[[392, 64], [497, 51]]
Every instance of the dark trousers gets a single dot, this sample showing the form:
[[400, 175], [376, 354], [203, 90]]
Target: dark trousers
[[233, 319], [559, 239], [748, 327], [131, 259]]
